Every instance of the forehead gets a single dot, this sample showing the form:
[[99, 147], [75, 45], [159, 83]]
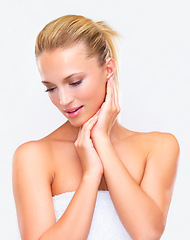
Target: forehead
[[72, 54], [65, 61], [64, 53]]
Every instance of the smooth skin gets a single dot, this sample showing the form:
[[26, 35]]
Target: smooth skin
[[91, 152]]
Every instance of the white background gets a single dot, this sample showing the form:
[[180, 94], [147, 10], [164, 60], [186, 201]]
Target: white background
[[155, 84]]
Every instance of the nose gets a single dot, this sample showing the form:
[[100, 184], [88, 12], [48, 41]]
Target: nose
[[65, 98]]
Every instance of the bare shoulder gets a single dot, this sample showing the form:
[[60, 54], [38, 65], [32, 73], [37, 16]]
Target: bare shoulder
[[30, 150], [42, 152], [161, 167], [29, 147], [32, 156], [38, 149], [154, 141], [163, 142], [32, 179], [163, 156], [159, 137]]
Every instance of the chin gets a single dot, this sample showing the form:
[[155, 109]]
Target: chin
[[79, 122], [82, 118], [76, 125]]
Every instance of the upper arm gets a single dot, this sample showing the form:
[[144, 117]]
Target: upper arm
[[161, 170], [32, 191]]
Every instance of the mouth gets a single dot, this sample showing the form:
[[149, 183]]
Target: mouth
[[73, 112]]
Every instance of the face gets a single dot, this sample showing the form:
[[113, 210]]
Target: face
[[75, 83]]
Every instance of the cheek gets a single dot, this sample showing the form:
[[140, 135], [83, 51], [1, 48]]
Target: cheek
[[54, 99], [95, 93]]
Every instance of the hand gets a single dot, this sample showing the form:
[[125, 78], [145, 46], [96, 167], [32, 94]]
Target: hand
[[107, 113], [90, 160]]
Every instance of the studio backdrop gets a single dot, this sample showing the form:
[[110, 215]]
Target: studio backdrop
[[154, 84]]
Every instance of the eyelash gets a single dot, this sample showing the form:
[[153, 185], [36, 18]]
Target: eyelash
[[74, 84], [49, 89]]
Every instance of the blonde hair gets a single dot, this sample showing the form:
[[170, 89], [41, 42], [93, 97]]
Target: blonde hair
[[69, 30]]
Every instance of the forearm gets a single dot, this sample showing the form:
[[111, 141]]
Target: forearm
[[138, 212], [76, 221]]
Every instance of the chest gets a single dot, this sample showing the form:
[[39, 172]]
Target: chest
[[68, 169]]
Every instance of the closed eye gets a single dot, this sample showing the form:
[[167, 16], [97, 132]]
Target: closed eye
[[76, 83], [49, 89]]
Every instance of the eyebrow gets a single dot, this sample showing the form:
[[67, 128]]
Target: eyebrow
[[66, 78]]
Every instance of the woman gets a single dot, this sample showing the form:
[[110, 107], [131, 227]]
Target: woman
[[91, 178]]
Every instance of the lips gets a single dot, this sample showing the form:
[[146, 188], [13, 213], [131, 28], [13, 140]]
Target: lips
[[71, 110]]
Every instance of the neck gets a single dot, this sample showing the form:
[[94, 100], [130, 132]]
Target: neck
[[116, 131], [73, 131]]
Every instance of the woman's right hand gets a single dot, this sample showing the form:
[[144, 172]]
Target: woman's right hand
[[91, 163]]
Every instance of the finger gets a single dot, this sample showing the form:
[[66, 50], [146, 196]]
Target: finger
[[89, 125], [87, 122], [116, 95], [98, 112], [79, 137], [113, 94], [84, 131], [92, 122], [109, 91]]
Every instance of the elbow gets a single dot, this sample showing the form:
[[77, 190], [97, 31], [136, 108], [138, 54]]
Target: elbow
[[152, 233]]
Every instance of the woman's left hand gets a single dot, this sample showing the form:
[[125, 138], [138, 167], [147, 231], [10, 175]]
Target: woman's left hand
[[107, 113]]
